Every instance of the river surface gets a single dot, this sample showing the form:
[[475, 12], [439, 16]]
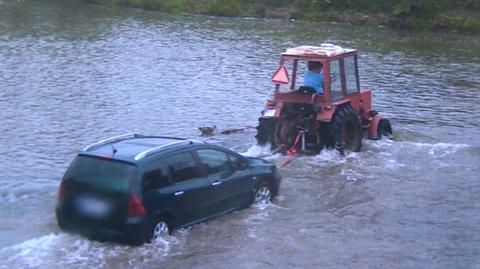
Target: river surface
[[72, 74]]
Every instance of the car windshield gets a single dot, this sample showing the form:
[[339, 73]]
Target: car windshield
[[101, 173]]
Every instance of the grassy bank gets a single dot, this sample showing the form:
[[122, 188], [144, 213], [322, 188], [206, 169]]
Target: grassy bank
[[459, 15]]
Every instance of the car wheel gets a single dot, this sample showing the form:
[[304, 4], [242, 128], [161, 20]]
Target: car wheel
[[263, 194], [160, 229]]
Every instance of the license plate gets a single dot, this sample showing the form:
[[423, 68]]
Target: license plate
[[269, 113], [93, 207]]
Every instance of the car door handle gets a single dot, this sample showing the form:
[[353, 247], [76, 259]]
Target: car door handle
[[216, 183], [178, 193]]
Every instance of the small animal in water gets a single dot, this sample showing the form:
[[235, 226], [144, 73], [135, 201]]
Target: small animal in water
[[207, 130], [291, 18]]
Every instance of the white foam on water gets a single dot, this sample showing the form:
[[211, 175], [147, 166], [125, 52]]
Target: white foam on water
[[264, 152], [393, 164], [350, 174], [393, 152], [275, 157], [65, 250], [257, 219], [445, 149], [389, 151], [378, 145], [16, 192], [267, 206], [257, 151], [433, 148], [280, 198], [33, 252], [327, 157], [258, 215]]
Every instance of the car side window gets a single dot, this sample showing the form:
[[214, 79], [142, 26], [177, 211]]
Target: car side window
[[182, 166], [214, 161], [237, 163], [155, 177]]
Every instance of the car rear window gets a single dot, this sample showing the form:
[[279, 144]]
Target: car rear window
[[101, 173]]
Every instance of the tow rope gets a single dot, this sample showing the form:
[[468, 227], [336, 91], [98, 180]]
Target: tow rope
[[291, 152]]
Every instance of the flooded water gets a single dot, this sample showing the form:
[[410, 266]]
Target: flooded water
[[72, 74]]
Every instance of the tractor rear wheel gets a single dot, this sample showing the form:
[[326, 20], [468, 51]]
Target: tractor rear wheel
[[265, 132], [347, 129], [286, 132]]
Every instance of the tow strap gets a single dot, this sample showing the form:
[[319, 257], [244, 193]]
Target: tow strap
[[291, 152]]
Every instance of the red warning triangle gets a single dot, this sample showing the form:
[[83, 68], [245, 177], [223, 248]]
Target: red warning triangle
[[281, 76]]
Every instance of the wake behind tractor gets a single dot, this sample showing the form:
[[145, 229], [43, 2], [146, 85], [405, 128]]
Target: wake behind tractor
[[298, 119]]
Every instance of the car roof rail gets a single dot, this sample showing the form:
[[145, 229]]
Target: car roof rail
[[112, 140], [151, 151], [163, 137]]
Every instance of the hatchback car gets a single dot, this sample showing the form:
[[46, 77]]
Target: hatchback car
[[135, 188]]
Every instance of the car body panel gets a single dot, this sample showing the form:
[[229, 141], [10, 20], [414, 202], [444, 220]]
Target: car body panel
[[232, 191], [101, 214]]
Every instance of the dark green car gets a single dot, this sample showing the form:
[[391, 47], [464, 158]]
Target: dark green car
[[136, 188]]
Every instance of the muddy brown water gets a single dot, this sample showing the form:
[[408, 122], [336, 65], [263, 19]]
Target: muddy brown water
[[71, 74]]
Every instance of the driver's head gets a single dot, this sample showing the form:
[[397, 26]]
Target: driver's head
[[315, 66]]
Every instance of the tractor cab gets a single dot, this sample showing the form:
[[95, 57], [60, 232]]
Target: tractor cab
[[335, 114], [339, 70]]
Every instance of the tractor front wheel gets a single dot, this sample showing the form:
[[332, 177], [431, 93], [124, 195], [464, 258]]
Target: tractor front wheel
[[384, 129], [347, 130]]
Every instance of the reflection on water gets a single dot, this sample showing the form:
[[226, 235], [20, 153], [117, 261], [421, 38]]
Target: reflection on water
[[71, 74]]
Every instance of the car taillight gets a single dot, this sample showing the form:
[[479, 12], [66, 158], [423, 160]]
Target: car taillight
[[61, 192], [135, 207]]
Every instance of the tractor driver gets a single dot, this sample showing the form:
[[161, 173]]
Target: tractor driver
[[314, 77]]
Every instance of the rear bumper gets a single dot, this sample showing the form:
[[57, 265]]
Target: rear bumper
[[132, 232]]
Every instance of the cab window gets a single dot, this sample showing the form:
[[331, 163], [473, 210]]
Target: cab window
[[214, 161], [283, 77], [155, 177], [351, 75], [182, 166], [336, 82]]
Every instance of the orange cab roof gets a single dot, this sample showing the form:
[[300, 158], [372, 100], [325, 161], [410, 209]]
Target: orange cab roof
[[324, 50]]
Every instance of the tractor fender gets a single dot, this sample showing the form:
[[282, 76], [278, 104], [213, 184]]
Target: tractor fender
[[277, 108], [327, 112], [373, 128]]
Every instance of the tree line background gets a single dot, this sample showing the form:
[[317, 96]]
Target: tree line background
[[461, 15]]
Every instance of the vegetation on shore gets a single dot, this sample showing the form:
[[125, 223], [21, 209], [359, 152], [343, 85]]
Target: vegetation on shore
[[460, 15]]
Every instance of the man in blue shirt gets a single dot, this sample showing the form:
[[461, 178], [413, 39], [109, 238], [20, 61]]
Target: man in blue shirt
[[314, 77]]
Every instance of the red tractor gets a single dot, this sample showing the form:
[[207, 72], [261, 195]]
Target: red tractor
[[298, 119]]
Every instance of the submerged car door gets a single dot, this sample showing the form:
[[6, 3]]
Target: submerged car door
[[191, 191], [157, 189], [232, 180]]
